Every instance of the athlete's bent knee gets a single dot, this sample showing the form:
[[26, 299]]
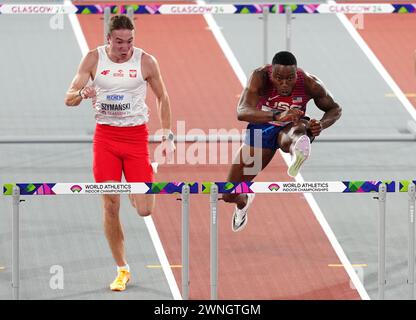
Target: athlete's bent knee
[[144, 212]]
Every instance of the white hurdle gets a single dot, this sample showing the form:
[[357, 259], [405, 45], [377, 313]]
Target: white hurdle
[[356, 187], [381, 188], [47, 189]]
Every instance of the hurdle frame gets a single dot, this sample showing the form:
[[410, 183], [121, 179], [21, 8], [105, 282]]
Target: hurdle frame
[[14, 190], [241, 187], [380, 187]]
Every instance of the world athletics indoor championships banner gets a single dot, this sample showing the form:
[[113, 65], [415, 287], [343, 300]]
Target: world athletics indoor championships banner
[[353, 186], [352, 8], [99, 188], [296, 187]]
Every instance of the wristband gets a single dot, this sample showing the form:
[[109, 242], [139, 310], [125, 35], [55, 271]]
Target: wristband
[[168, 136]]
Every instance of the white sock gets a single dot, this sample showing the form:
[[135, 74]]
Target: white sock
[[126, 267]]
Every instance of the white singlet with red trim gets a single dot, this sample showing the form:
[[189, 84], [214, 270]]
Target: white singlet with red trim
[[121, 91]]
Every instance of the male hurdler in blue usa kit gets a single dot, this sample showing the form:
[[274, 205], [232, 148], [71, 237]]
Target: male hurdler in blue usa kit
[[274, 105]]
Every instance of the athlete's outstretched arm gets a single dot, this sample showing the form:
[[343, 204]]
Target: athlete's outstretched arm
[[324, 101], [247, 105], [154, 78], [76, 91]]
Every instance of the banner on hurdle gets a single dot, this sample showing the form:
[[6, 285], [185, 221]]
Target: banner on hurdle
[[321, 8], [299, 187], [403, 185], [32, 189]]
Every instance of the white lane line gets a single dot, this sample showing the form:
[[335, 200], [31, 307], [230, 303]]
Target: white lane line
[[163, 258], [79, 35], [309, 198], [376, 63], [148, 220]]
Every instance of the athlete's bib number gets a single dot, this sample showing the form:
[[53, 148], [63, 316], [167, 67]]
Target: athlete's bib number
[[116, 105]]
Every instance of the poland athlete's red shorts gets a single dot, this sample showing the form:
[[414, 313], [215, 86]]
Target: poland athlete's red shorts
[[120, 150]]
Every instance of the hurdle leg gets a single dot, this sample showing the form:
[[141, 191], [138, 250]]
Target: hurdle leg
[[16, 244], [288, 11], [265, 34], [185, 242], [214, 242], [107, 14], [130, 13], [411, 246], [382, 241]]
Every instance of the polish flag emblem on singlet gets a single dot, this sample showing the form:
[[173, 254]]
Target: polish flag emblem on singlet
[[133, 73]]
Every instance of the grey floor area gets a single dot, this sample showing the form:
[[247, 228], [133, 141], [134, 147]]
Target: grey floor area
[[324, 47], [38, 64]]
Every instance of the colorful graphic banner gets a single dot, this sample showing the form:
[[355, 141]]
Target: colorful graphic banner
[[28, 189], [299, 187], [347, 8], [404, 185], [223, 187]]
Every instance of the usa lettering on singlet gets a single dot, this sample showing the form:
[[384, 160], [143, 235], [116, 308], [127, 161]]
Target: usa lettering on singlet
[[271, 100], [121, 91]]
